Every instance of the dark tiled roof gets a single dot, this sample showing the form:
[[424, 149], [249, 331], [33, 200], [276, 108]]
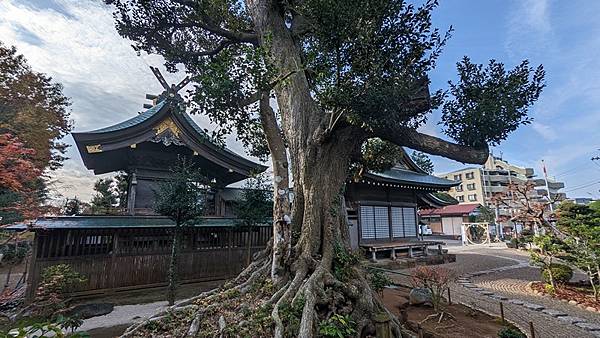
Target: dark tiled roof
[[405, 176], [132, 121], [108, 222]]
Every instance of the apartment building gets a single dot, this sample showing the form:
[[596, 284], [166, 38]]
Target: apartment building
[[479, 184]]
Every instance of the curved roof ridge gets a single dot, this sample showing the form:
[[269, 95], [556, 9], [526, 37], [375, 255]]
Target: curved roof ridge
[[132, 121]]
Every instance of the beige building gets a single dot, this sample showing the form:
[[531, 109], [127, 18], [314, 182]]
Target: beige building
[[479, 184]]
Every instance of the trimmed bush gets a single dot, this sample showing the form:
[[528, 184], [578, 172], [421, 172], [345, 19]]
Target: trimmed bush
[[561, 273], [509, 332]]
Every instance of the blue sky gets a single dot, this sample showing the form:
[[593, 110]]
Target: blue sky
[[76, 43]]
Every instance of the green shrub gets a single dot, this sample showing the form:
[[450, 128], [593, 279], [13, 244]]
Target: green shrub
[[549, 289], [509, 332], [560, 272], [47, 329], [338, 326], [56, 281], [13, 253], [378, 280], [344, 262]]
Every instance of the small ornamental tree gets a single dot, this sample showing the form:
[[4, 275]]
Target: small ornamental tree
[[550, 248], [582, 226], [342, 73], [181, 197], [434, 279], [255, 207]]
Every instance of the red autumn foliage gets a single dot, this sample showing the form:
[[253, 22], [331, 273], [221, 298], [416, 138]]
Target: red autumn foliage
[[16, 168], [18, 174]]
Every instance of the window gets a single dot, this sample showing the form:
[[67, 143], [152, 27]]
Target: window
[[375, 222], [471, 186], [459, 188], [470, 176], [473, 197], [460, 198], [458, 177]]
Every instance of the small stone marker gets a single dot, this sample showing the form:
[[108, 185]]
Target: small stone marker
[[588, 326], [499, 297], [554, 313], [571, 319], [534, 307]]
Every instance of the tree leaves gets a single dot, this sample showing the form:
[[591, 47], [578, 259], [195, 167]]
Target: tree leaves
[[33, 108], [182, 196], [488, 103]]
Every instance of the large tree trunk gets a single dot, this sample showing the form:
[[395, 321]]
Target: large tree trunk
[[307, 238], [320, 160]]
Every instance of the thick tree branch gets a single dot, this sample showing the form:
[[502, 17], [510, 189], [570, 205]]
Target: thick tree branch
[[208, 25], [222, 45], [411, 138]]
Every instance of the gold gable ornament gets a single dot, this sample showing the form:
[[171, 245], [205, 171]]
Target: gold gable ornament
[[94, 148], [167, 124]]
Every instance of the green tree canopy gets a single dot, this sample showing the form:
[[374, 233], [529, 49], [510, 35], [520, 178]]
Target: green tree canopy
[[33, 108], [423, 161], [105, 198]]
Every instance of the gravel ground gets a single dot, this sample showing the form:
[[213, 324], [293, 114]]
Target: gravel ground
[[511, 283], [123, 314]]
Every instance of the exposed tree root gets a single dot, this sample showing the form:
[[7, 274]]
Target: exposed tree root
[[251, 305]]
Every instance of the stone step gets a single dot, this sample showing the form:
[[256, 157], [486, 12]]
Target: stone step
[[499, 297], [554, 313], [588, 326], [571, 319], [534, 307]]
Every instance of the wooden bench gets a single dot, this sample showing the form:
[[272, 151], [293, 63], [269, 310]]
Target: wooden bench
[[373, 248]]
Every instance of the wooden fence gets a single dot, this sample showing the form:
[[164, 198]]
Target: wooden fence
[[129, 258]]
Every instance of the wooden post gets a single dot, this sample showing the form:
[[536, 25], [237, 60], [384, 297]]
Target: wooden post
[[410, 252], [449, 298], [382, 326], [420, 331], [112, 282], [30, 291], [440, 251], [531, 330], [502, 312]]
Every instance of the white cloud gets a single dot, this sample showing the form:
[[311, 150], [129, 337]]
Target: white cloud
[[545, 131], [77, 44]]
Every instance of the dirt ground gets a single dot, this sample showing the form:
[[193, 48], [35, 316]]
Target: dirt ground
[[16, 271], [466, 322]]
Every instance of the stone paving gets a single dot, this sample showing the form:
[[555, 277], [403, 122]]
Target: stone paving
[[490, 275]]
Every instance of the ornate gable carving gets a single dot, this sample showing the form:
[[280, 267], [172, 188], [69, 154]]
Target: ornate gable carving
[[167, 124]]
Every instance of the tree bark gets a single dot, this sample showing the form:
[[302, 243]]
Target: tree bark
[[320, 160], [281, 191], [171, 292]]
